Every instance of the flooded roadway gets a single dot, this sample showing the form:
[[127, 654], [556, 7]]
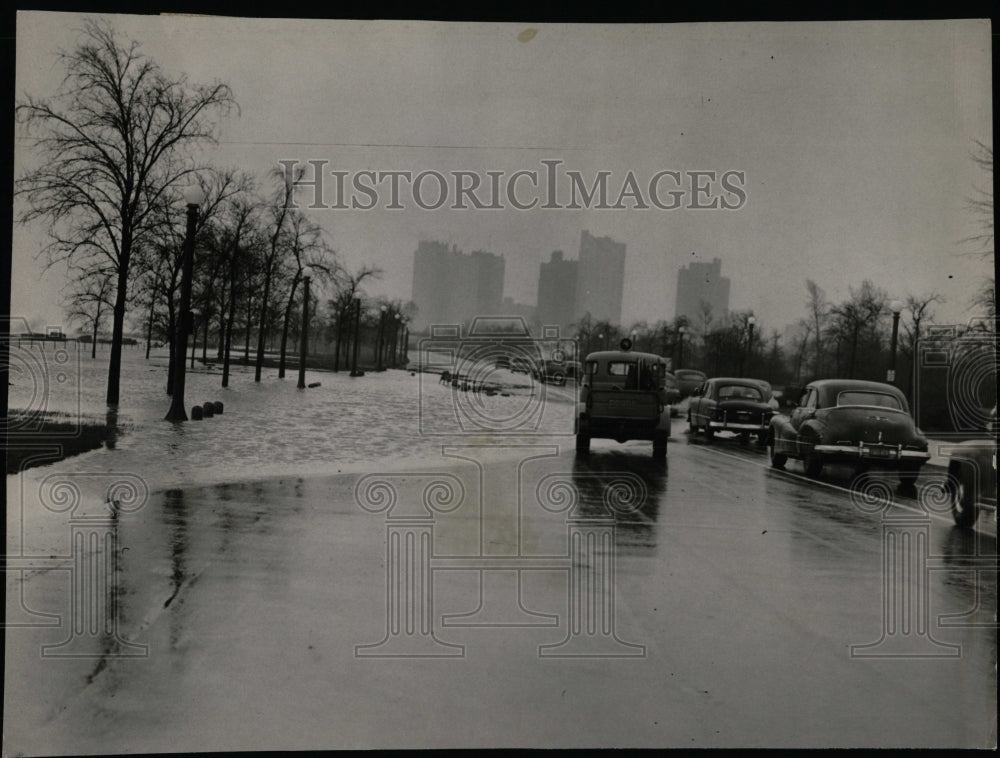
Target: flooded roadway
[[519, 597]]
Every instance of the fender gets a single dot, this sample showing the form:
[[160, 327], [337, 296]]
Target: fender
[[808, 429], [784, 434]]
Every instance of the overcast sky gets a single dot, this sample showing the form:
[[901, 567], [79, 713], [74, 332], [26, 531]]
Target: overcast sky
[[854, 139]]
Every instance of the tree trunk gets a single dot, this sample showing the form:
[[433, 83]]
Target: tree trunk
[[337, 339], [230, 320], [262, 327], [149, 326], [115, 363], [284, 328], [223, 309]]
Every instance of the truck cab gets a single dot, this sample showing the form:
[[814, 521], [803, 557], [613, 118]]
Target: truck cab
[[623, 396]]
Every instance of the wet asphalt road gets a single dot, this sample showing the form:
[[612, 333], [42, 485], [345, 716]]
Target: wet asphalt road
[[535, 600]]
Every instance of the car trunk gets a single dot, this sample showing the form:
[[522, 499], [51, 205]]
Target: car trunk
[[869, 425], [624, 404]]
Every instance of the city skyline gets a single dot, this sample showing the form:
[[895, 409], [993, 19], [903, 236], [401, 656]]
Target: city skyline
[[855, 140]]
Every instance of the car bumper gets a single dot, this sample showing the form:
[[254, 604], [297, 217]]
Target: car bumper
[[872, 453], [738, 426]]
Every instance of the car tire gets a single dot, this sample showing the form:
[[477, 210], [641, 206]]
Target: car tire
[[660, 447], [744, 439], [582, 444], [709, 433], [691, 425], [761, 440], [961, 493], [908, 478], [814, 465], [778, 460]]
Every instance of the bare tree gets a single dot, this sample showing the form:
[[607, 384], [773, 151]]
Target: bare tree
[[857, 318], [280, 207], [348, 285], [308, 248], [90, 301], [980, 204], [110, 145], [819, 311]]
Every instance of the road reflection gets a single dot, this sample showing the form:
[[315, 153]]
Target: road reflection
[[623, 486]]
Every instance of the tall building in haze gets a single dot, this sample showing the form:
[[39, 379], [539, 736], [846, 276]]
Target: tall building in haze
[[702, 282], [451, 287], [600, 278], [557, 291]]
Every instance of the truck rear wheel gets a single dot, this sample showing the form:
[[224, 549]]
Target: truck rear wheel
[[582, 444], [660, 447]]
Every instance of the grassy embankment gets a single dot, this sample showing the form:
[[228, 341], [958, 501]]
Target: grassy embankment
[[45, 438]]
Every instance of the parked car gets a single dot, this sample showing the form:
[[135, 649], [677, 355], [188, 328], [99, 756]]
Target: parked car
[[769, 395], [688, 380], [849, 421], [972, 476], [727, 404], [623, 397], [673, 389]]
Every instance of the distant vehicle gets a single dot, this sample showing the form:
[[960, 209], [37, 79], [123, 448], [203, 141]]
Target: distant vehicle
[[769, 395], [726, 404], [849, 421], [688, 380], [556, 371], [502, 361], [673, 390], [972, 476], [522, 366], [623, 398]]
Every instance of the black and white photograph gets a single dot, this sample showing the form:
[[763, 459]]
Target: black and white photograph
[[407, 383]]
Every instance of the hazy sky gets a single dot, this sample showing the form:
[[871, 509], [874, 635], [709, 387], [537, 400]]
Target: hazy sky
[[854, 139]]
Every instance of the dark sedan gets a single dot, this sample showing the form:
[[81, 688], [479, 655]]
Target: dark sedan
[[688, 380], [849, 421], [725, 404]]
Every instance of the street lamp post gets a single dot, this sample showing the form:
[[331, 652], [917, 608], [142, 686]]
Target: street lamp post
[[397, 333], [406, 341], [381, 334], [749, 351], [195, 318], [895, 306], [601, 338], [306, 276], [357, 330], [194, 196], [680, 345]]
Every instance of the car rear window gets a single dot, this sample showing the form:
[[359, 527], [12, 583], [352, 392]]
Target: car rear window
[[734, 391], [619, 368], [877, 399]]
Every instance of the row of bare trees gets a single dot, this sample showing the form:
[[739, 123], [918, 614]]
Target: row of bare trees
[[114, 148]]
